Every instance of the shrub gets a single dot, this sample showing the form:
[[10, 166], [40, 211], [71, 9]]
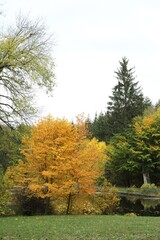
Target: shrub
[[5, 207], [131, 214], [5, 198], [149, 188], [107, 200]]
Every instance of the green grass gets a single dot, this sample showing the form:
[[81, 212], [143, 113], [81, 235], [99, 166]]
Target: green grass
[[80, 227]]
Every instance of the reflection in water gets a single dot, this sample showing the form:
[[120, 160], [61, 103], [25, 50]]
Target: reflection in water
[[140, 206], [149, 203]]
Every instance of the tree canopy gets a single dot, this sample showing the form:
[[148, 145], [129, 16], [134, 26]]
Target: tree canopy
[[10, 144], [25, 62], [135, 154]]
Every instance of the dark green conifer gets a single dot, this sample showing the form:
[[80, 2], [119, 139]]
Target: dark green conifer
[[127, 100]]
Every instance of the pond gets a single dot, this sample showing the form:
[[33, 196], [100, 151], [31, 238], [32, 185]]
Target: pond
[[139, 206]]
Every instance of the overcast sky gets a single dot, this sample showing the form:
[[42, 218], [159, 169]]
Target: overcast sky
[[91, 37]]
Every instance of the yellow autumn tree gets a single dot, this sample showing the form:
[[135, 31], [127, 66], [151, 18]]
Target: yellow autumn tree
[[147, 140], [61, 161]]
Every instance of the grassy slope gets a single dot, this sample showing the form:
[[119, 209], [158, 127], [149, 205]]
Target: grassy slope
[[80, 227]]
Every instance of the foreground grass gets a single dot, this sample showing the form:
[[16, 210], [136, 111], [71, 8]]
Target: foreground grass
[[80, 227]]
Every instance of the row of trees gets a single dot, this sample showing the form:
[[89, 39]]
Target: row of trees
[[61, 170], [58, 164], [131, 128], [60, 161], [55, 162]]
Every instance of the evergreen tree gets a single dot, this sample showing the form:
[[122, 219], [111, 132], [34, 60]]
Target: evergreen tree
[[127, 100], [98, 127]]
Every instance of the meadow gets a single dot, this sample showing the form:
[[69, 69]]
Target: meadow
[[80, 227]]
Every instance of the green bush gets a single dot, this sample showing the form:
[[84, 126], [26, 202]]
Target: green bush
[[5, 198], [5, 208], [149, 188]]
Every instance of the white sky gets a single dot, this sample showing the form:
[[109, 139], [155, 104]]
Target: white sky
[[91, 37]]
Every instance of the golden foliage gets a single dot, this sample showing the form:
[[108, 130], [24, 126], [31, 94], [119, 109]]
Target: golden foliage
[[60, 160]]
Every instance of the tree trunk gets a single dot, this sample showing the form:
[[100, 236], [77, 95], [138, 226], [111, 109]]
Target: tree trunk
[[69, 203], [146, 178]]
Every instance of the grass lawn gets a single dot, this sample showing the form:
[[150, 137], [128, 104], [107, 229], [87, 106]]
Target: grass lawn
[[80, 227]]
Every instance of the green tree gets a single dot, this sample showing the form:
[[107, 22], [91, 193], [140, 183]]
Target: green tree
[[121, 169], [5, 197], [157, 105], [25, 62], [10, 144], [147, 144], [127, 100], [98, 127], [135, 155]]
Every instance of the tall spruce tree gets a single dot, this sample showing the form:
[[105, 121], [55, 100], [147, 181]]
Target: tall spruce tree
[[127, 100]]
